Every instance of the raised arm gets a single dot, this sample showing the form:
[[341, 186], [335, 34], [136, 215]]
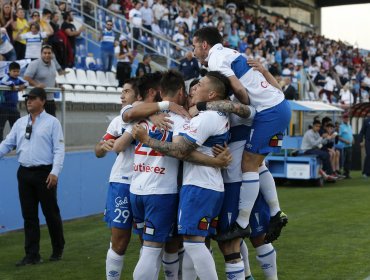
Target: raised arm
[[257, 66], [227, 106], [239, 91]]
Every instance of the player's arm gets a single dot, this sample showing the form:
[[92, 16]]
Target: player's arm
[[227, 106], [179, 150], [122, 142], [239, 91], [103, 147], [222, 160], [145, 110], [257, 66]]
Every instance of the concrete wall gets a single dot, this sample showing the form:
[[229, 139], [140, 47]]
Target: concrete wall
[[81, 190]]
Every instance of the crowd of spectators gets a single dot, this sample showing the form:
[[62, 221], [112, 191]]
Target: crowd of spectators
[[328, 70]]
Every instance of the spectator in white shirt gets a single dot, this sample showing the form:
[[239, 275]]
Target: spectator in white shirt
[[34, 40], [147, 16], [136, 22]]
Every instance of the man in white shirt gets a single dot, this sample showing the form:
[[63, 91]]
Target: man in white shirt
[[136, 21]]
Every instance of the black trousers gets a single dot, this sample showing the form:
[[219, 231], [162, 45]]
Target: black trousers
[[123, 72], [50, 107], [325, 158], [366, 170], [7, 114], [347, 160], [32, 191]]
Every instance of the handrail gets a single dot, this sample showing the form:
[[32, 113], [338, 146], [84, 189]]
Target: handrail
[[78, 7]]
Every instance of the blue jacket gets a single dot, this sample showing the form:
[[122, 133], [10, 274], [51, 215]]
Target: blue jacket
[[9, 97]]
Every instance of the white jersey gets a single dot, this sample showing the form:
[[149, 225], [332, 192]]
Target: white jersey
[[231, 63], [122, 168], [155, 173], [239, 128], [206, 130]]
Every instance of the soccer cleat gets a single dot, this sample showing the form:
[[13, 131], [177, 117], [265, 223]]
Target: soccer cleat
[[277, 223], [29, 260], [250, 277], [235, 231]]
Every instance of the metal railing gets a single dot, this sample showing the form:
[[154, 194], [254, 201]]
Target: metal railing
[[100, 23]]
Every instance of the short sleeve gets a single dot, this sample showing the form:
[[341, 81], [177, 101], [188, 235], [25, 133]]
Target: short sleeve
[[31, 69]]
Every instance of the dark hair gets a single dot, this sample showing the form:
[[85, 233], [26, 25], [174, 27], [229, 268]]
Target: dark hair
[[325, 120], [46, 12], [109, 20], [14, 66], [171, 82], [133, 82], [330, 124], [46, 47], [208, 34], [219, 83], [315, 122], [66, 15], [193, 83], [148, 81], [36, 25]]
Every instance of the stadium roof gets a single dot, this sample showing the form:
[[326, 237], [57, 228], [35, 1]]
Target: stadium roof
[[327, 3]]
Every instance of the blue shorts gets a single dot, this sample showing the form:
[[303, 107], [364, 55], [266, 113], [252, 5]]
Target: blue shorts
[[260, 215], [118, 211], [266, 135], [198, 211], [155, 216]]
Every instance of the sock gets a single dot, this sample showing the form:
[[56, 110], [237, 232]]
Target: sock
[[268, 190], [188, 270], [202, 259], [181, 257], [245, 258], [170, 264], [248, 194], [113, 265], [159, 262], [147, 265], [266, 257], [235, 271]]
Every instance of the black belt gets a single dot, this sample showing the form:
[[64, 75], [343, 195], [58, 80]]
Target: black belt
[[39, 167]]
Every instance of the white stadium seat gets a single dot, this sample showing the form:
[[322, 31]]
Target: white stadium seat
[[102, 79], [79, 87], [60, 79], [111, 77], [91, 78], [81, 77], [90, 88], [71, 76], [101, 88], [112, 89]]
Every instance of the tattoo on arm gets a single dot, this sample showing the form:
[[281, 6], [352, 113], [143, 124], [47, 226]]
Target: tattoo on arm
[[227, 106], [179, 149]]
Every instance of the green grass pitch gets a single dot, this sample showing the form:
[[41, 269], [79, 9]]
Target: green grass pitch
[[328, 237]]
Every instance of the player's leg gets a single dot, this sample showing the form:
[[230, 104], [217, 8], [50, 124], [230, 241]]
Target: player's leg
[[118, 216], [234, 266], [245, 258], [266, 255], [194, 226], [160, 218], [170, 259]]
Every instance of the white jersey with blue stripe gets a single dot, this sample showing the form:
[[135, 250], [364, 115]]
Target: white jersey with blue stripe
[[122, 168], [155, 173], [206, 130], [231, 63]]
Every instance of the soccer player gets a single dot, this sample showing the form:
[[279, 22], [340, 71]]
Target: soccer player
[[270, 121], [202, 186], [118, 214]]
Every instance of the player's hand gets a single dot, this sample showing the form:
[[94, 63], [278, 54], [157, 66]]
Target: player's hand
[[51, 181], [224, 158], [107, 145], [256, 65], [162, 121], [193, 111], [217, 149], [139, 133], [180, 110]]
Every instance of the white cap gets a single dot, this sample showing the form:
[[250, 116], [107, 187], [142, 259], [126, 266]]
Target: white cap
[[122, 37], [286, 72]]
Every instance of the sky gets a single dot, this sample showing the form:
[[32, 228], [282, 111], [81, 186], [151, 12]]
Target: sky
[[349, 23]]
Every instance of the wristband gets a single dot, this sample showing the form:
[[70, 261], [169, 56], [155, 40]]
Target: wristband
[[253, 112], [202, 106], [163, 105]]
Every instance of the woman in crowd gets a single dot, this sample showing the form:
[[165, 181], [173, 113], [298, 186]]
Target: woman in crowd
[[124, 60]]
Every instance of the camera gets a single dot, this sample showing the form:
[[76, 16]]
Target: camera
[[28, 133]]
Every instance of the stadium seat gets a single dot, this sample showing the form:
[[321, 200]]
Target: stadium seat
[[89, 62], [60, 79], [71, 76], [112, 89], [91, 78], [111, 78], [90, 88], [81, 77], [79, 87], [101, 88], [102, 79]]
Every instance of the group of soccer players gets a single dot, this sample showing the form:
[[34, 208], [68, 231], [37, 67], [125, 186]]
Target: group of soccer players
[[175, 208]]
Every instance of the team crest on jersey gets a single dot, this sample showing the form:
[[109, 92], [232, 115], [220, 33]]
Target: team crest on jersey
[[276, 140], [214, 222], [137, 224], [203, 224]]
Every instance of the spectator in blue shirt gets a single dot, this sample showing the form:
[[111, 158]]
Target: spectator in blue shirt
[[107, 40], [39, 141], [189, 67], [9, 98], [345, 137]]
